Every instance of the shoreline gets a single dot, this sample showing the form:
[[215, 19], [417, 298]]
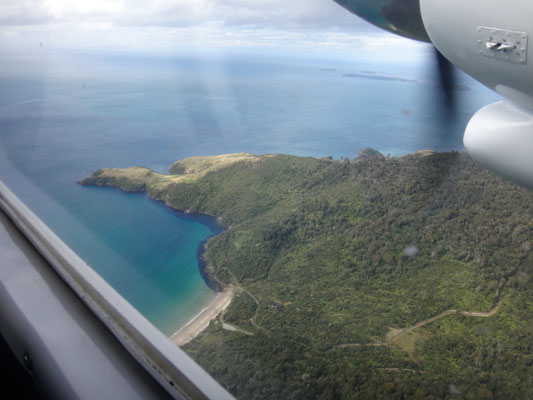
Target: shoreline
[[206, 271], [214, 224], [204, 317], [224, 292]]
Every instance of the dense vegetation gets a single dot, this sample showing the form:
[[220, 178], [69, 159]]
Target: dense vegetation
[[332, 258]]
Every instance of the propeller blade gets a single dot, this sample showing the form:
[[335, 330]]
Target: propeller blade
[[447, 80], [445, 101]]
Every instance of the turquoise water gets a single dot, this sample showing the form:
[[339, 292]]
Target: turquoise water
[[65, 115], [133, 230]]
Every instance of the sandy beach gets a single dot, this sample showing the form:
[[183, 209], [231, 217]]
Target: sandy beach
[[201, 321]]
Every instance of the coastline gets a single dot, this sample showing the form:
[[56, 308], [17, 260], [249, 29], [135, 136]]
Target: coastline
[[202, 320], [206, 271], [224, 292], [215, 226]]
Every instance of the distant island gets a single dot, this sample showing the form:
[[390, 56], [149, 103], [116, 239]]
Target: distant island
[[371, 277], [375, 77]]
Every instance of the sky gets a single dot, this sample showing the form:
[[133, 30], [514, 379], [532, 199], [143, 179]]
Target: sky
[[170, 25]]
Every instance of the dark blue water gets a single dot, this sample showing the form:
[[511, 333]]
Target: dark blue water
[[63, 115]]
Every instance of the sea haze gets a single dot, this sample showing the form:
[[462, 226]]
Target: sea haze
[[64, 115]]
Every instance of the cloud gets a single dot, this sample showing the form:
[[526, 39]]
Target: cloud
[[170, 25], [274, 14], [23, 12], [167, 13], [311, 14], [81, 11]]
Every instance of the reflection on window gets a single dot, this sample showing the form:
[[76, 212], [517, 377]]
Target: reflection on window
[[293, 209]]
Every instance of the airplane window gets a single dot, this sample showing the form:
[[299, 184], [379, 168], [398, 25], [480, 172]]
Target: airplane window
[[281, 189]]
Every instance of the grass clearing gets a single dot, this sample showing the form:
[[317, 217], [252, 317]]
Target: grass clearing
[[410, 340]]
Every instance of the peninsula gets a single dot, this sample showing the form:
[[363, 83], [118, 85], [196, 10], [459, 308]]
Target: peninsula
[[371, 277]]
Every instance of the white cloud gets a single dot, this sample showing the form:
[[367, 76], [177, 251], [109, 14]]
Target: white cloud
[[321, 14], [172, 24], [71, 10], [23, 12], [173, 13]]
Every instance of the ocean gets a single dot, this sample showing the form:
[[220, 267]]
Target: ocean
[[65, 114]]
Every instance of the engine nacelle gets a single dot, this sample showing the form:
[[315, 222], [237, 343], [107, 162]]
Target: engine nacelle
[[500, 137], [401, 17]]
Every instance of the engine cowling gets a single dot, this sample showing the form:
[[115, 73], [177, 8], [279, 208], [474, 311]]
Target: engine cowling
[[398, 16]]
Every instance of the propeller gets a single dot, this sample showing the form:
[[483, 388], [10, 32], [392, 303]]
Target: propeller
[[447, 80]]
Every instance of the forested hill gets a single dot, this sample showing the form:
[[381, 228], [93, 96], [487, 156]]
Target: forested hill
[[381, 277]]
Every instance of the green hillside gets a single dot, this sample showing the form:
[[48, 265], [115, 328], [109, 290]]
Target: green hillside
[[376, 277]]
